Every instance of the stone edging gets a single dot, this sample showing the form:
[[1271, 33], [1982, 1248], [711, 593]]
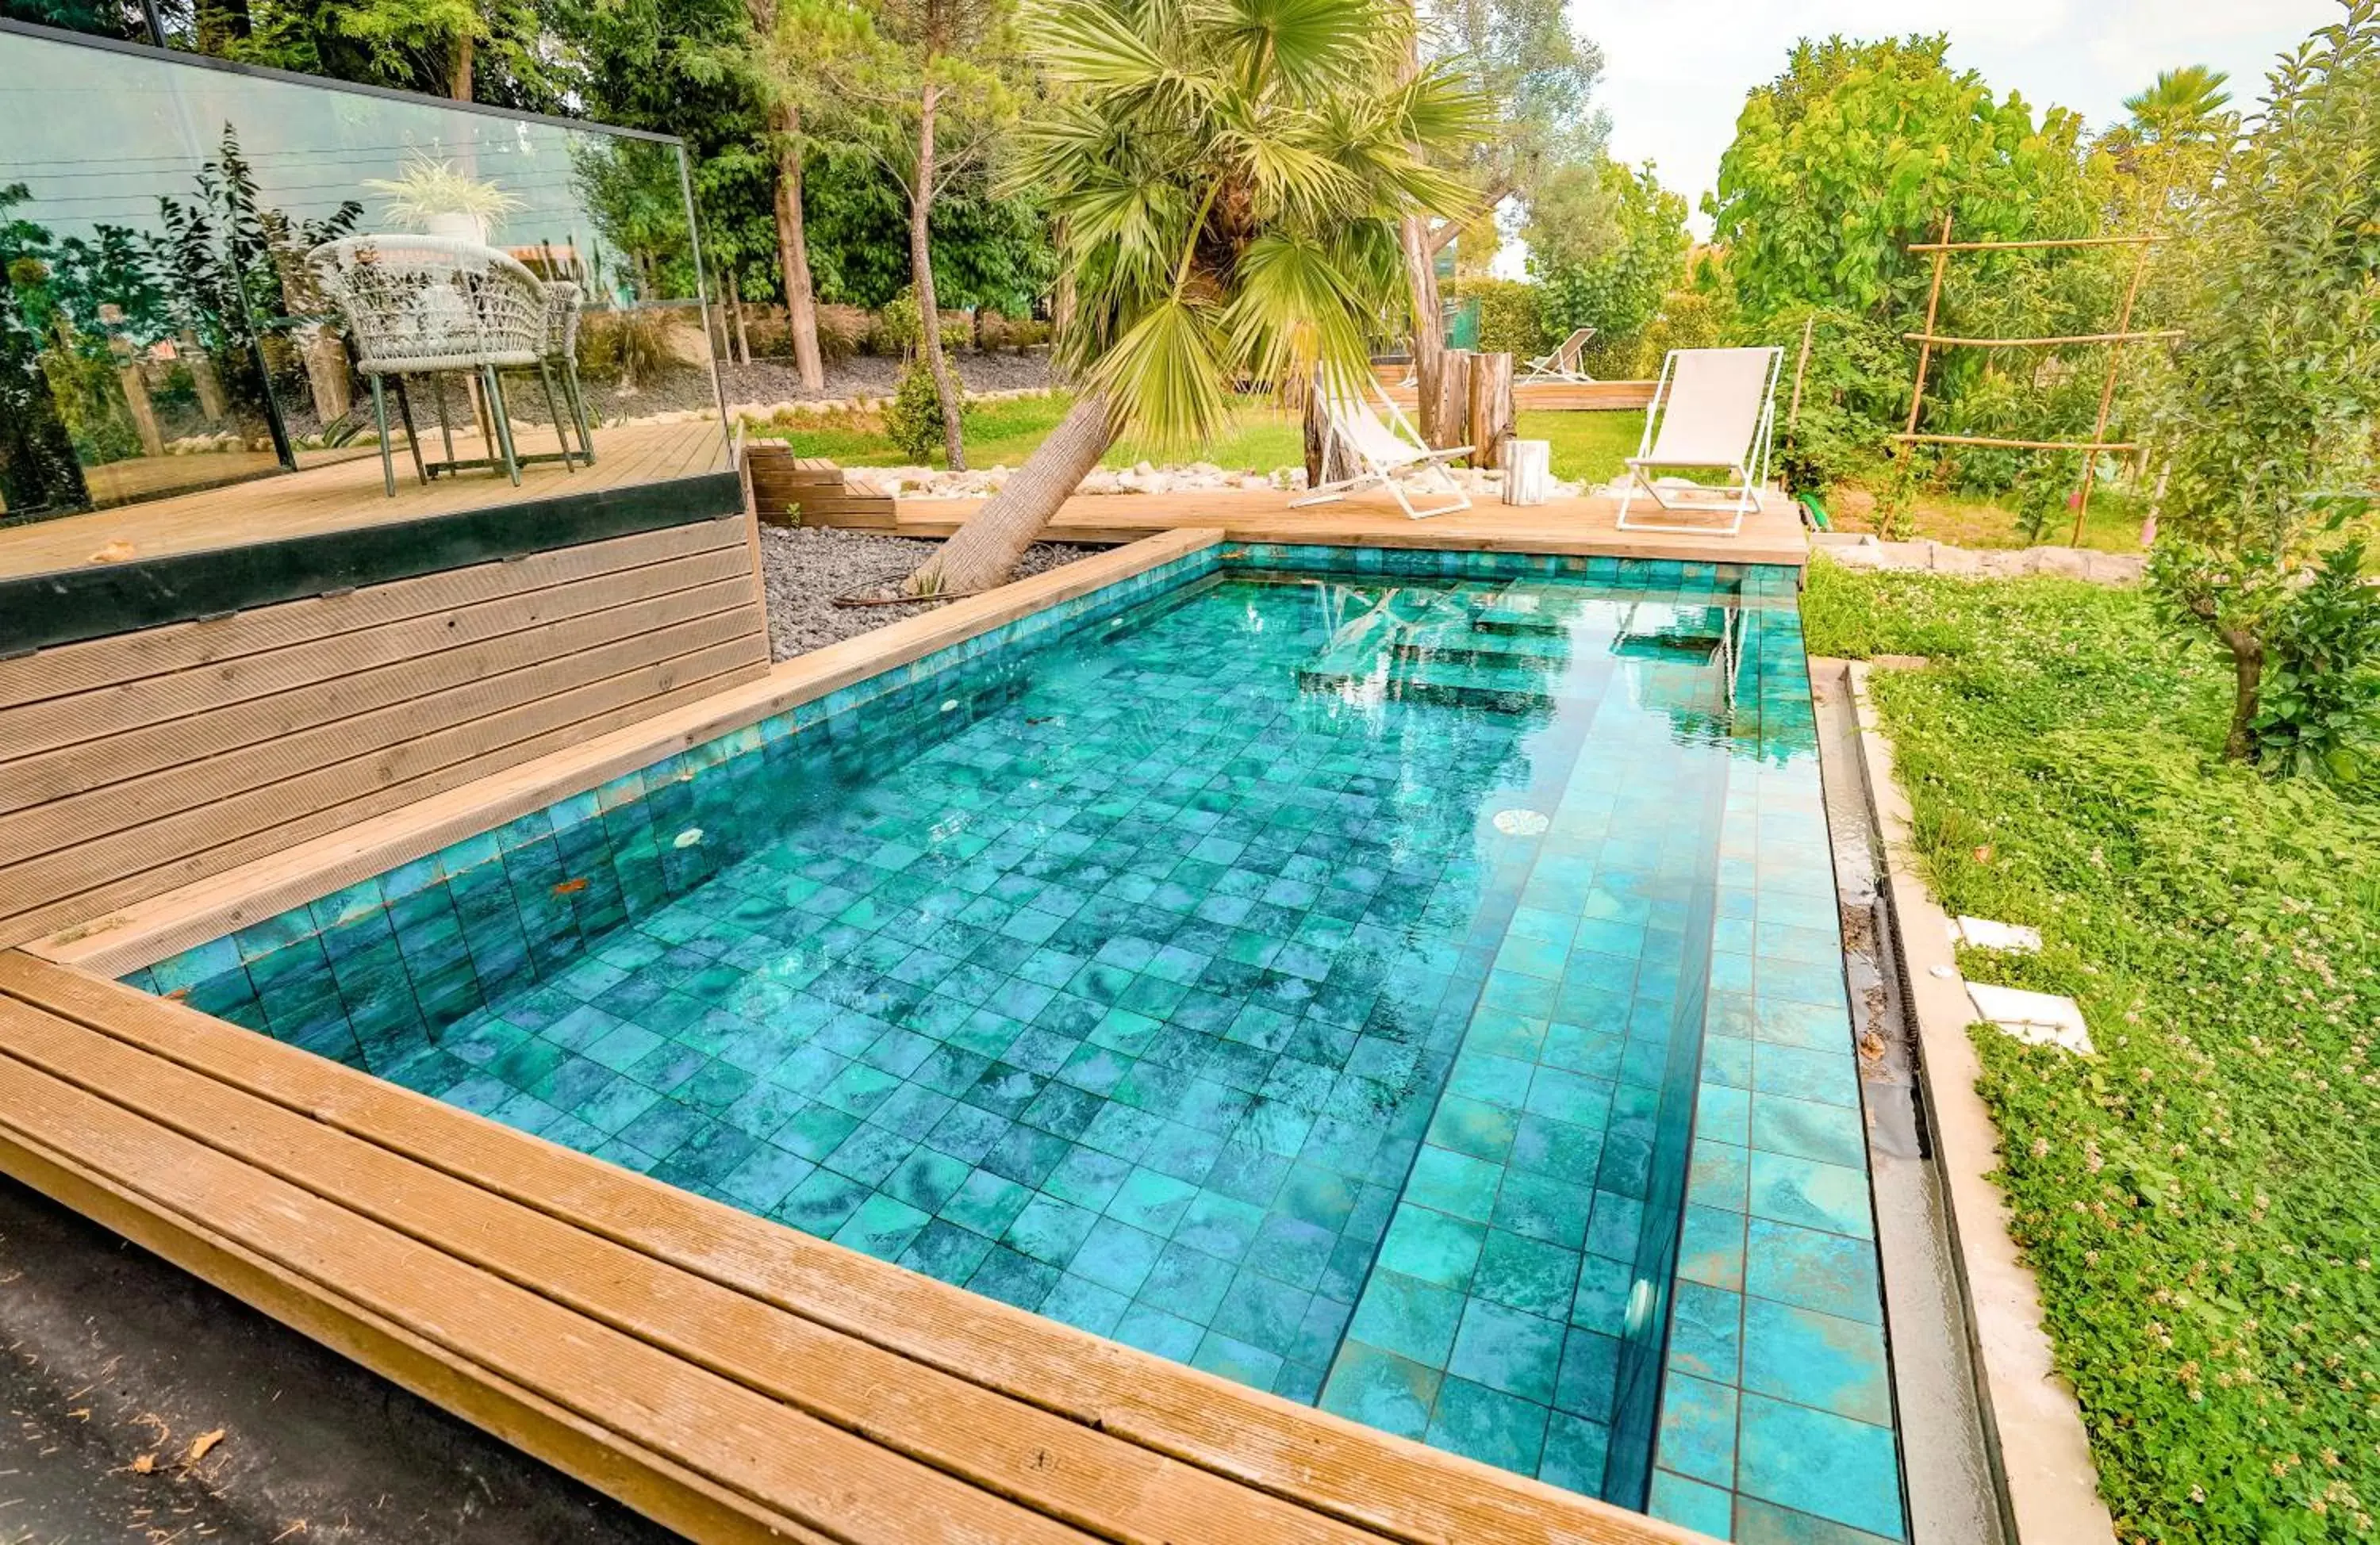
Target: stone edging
[[2040, 1454], [1860, 550]]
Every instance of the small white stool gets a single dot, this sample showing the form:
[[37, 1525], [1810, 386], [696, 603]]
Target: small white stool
[[1528, 467]]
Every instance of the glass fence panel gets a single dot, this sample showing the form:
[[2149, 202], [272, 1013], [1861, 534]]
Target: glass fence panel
[[215, 277]]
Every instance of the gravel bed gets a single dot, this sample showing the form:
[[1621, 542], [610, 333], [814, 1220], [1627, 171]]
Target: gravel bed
[[802, 569], [775, 381]]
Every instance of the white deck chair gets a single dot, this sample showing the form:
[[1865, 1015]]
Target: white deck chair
[[1563, 364], [1385, 456], [1712, 411]]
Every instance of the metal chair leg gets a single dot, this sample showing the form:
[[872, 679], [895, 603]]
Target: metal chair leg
[[579, 410], [446, 424], [380, 418], [502, 421], [412, 435], [545, 374]]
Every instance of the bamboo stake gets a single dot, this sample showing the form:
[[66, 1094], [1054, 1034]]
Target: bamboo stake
[[2107, 394], [1793, 414], [2021, 245], [2020, 444], [2117, 337], [1933, 306]]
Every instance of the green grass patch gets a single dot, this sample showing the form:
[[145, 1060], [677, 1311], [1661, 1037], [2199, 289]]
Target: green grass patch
[[2200, 1198], [1586, 446]]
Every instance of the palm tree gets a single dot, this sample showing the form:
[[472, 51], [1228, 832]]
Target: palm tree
[[1228, 175], [2185, 105]]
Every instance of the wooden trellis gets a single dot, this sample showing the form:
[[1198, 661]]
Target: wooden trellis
[[1928, 341]]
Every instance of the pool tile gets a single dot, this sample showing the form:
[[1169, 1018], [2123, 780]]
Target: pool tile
[[1488, 1425], [1415, 1319], [1381, 1388], [1509, 1350], [1813, 1195], [1432, 1247], [1698, 1420], [1817, 1463], [1817, 1360]]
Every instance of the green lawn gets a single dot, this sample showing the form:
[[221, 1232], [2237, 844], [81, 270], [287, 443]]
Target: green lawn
[[1585, 445], [2199, 1198]]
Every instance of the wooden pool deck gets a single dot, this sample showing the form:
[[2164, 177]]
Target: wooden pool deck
[[345, 495], [729, 1377], [1587, 526]]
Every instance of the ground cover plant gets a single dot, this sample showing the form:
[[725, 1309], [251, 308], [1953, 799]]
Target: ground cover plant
[[2199, 1198]]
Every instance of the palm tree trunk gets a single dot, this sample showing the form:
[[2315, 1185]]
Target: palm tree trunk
[[921, 267], [985, 550], [792, 249]]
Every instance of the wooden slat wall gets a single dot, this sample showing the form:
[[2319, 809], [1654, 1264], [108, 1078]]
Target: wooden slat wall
[[132, 764]]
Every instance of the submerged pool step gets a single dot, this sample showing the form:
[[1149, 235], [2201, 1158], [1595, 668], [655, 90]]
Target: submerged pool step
[[1504, 689]]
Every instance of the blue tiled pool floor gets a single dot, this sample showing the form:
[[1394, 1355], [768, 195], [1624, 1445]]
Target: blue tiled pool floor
[[1306, 980]]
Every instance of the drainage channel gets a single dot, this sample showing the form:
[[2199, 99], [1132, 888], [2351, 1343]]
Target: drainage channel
[[1952, 1500]]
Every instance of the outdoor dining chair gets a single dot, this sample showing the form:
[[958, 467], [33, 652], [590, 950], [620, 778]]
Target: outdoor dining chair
[[435, 304], [1711, 412]]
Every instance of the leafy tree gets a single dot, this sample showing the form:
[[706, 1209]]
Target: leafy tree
[[1607, 243], [1858, 150], [2271, 413], [937, 85], [1231, 179], [502, 53], [1537, 75]]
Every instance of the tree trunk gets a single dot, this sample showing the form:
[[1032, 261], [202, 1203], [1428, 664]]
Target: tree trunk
[[1445, 413], [2247, 687], [921, 267], [986, 548], [1327, 460], [1428, 325], [458, 72], [1490, 423], [792, 249], [735, 309]]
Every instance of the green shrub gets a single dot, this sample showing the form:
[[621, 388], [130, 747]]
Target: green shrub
[[1508, 316], [632, 346], [913, 420], [895, 329]]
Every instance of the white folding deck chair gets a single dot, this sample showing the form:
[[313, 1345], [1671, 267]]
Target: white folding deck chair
[[1563, 364], [1712, 411], [1384, 456]]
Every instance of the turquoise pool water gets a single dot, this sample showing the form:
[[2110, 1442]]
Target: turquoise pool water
[[1414, 993]]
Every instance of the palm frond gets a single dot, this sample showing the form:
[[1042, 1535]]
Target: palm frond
[[1096, 47], [1164, 376], [1294, 309], [1308, 46]]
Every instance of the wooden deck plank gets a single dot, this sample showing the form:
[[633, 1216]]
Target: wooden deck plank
[[165, 748], [239, 791], [1334, 1467], [746, 1443], [1583, 526], [124, 708], [649, 692], [669, 1493], [76, 668], [1072, 1473]]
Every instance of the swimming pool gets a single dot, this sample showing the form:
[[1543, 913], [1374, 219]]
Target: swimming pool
[[1411, 987]]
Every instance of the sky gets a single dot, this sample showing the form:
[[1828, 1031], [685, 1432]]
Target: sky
[[1675, 73]]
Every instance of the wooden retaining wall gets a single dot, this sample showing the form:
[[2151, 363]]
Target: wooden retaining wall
[[136, 763], [810, 491]]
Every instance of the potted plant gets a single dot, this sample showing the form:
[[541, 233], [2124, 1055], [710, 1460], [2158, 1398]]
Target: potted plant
[[433, 198]]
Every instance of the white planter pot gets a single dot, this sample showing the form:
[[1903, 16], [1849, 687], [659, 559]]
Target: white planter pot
[[458, 227]]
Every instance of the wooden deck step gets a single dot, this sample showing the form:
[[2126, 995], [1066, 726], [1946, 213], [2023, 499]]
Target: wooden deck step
[[731, 1378], [811, 491]]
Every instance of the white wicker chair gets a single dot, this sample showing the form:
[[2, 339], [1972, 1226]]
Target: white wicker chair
[[428, 304]]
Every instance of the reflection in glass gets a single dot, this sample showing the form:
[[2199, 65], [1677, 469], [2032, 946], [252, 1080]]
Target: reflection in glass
[[212, 275]]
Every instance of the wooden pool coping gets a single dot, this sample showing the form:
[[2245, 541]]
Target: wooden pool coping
[[727, 1376]]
